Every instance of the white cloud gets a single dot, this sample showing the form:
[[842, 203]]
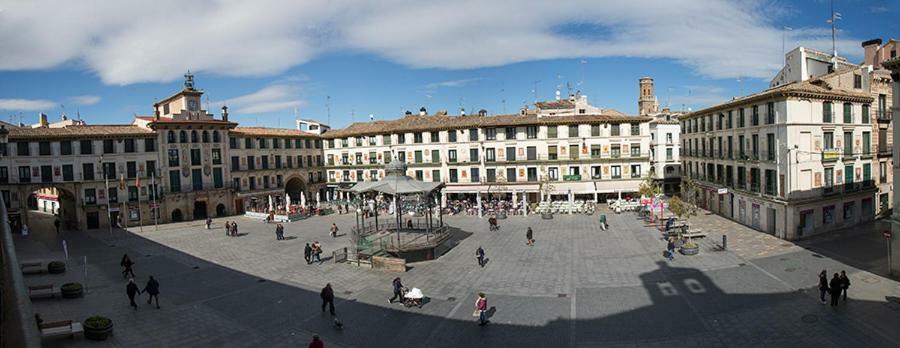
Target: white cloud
[[451, 83], [273, 98], [129, 42], [85, 99], [26, 104]]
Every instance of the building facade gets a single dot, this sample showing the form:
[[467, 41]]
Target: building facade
[[575, 147], [792, 161]]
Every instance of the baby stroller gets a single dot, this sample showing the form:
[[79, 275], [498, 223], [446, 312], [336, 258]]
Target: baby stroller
[[413, 298]]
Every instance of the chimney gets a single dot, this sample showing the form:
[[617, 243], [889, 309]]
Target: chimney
[[462, 111], [482, 112], [870, 48], [42, 120], [423, 112], [224, 112], [156, 115], [408, 113]]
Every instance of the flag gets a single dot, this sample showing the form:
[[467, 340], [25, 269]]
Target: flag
[[122, 182], [137, 182]]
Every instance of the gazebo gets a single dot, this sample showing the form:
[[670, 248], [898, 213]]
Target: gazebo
[[408, 199]]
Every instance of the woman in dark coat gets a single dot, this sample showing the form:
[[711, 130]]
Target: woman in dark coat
[[152, 289], [845, 283], [126, 264], [823, 285], [836, 286], [529, 235], [132, 290]]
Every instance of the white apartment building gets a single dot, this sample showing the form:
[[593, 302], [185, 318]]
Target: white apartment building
[[793, 161], [582, 149], [665, 149]]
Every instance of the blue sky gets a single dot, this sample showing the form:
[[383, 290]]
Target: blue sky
[[108, 61]]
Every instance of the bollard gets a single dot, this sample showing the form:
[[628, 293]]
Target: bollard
[[724, 242]]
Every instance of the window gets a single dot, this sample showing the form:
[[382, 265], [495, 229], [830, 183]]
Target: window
[[218, 181], [573, 131], [263, 143], [553, 173], [194, 137], [109, 146], [531, 174], [129, 146], [865, 114], [728, 120], [491, 175], [882, 106], [754, 179], [668, 138], [848, 113], [173, 158], [615, 172], [827, 113], [170, 137], [420, 175], [150, 145], [473, 155], [635, 170], [417, 137], [46, 173], [531, 132], [435, 138], [490, 133], [867, 174], [740, 122], [182, 137], [490, 155], [771, 182], [510, 154], [741, 178], [770, 146], [866, 143], [65, 147], [510, 133], [848, 211], [848, 143], [828, 215], [90, 196], [857, 81], [596, 172], [882, 178], [475, 174], [278, 162], [454, 175], [755, 146], [401, 138], [264, 161], [669, 153], [451, 136], [614, 130], [551, 132], [276, 143], [131, 169], [828, 140], [848, 175], [252, 181], [24, 174], [635, 129], [531, 153], [109, 170], [22, 149], [552, 152], [418, 156], [770, 113], [68, 172], [473, 134], [595, 130], [615, 151], [151, 169], [197, 179], [510, 174], [132, 193], [195, 157], [217, 156], [635, 150], [174, 181], [87, 171], [215, 137], [573, 152], [595, 151], [730, 152], [44, 148], [754, 119]]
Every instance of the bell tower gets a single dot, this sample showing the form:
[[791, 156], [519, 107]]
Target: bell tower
[[647, 103]]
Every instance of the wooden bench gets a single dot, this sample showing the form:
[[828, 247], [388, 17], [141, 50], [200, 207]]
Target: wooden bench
[[694, 234], [61, 328], [41, 291], [33, 267]]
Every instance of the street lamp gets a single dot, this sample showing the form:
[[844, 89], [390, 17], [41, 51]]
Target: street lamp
[[108, 206]]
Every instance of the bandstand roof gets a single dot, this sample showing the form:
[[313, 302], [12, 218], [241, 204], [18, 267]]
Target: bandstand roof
[[396, 181]]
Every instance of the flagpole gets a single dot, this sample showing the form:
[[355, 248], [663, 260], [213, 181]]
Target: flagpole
[[137, 182], [155, 209], [123, 206]]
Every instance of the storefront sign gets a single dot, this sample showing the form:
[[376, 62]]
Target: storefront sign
[[723, 191], [829, 154], [571, 177]]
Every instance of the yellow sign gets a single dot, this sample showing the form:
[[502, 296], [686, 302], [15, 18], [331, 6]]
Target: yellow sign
[[831, 154]]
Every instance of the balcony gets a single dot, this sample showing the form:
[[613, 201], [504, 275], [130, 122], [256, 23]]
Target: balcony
[[833, 190], [885, 117]]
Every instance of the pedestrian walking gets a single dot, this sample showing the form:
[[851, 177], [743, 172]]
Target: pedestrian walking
[[327, 295], [317, 252], [529, 235], [670, 249], [228, 228], [152, 290], [398, 290], [316, 342], [845, 283], [234, 229], [823, 285], [56, 224], [24, 230], [126, 266], [307, 253], [132, 290], [208, 223], [836, 286], [479, 254], [279, 235], [334, 230], [481, 309]]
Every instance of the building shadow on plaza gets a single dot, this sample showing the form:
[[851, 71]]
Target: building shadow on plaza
[[672, 305]]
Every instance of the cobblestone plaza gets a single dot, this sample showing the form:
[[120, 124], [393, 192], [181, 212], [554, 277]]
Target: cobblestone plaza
[[577, 286]]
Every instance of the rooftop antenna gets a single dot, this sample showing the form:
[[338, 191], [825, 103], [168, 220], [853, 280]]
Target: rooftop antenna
[[784, 29], [835, 16], [503, 100]]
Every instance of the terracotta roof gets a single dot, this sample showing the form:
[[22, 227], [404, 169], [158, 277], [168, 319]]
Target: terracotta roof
[[416, 123], [555, 104], [79, 132], [166, 120], [183, 91], [814, 88], [275, 132]]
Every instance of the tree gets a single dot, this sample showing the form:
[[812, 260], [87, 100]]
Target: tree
[[650, 186], [685, 208]]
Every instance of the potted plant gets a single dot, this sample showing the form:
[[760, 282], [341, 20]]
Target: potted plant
[[690, 248], [71, 290], [97, 328], [56, 267]]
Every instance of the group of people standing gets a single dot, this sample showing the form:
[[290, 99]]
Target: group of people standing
[[838, 285], [312, 253], [132, 290], [231, 229], [279, 232]]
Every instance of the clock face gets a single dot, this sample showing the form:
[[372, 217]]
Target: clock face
[[192, 105]]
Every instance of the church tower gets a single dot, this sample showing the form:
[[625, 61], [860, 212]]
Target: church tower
[[647, 103]]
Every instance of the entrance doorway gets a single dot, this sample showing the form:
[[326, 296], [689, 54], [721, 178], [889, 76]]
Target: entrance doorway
[[770, 220], [176, 215], [239, 206], [220, 210], [93, 220], [199, 210]]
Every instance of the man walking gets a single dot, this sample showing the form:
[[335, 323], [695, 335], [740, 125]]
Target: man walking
[[152, 290], [481, 309], [670, 249], [398, 290], [529, 235], [836, 286], [334, 230], [479, 254], [132, 290], [317, 251], [845, 283], [208, 223], [307, 253], [823, 285], [327, 295]]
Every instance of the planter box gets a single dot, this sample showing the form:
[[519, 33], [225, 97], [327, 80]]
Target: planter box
[[547, 216], [56, 267], [97, 333], [71, 291], [690, 251]]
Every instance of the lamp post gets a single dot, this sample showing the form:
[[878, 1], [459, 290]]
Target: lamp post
[[108, 206]]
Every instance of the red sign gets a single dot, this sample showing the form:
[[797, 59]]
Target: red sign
[[887, 234]]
